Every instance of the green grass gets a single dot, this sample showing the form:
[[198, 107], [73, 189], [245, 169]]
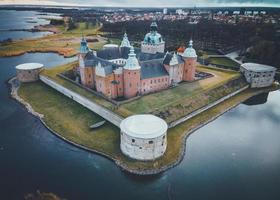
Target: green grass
[[65, 43], [180, 100], [69, 118], [72, 121], [226, 62]]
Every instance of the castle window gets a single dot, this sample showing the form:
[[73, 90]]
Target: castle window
[[135, 73], [151, 142], [133, 140], [120, 89], [158, 80], [155, 81], [151, 81], [130, 85]]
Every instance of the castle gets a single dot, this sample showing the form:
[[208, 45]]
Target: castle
[[122, 71]]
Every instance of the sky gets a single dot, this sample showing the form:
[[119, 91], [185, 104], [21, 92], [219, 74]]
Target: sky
[[147, 3]]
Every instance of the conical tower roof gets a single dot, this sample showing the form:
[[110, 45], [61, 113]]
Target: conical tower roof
[[84, 46], [190, 51], [125, 41], [132, 62]]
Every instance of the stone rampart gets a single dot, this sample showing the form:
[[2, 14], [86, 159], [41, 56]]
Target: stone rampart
[[103, 112]]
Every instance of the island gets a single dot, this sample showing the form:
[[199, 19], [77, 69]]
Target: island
[[85, 104]]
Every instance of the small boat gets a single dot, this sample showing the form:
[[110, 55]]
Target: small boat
[[97, 125]]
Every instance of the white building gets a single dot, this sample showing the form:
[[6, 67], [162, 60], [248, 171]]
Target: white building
[[29, 72], [165, 11], [258, 75], [143, 137]]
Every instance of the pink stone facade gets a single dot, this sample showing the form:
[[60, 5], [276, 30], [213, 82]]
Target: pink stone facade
[[122, 72], [154, 84], [131, 83], [189, 69]]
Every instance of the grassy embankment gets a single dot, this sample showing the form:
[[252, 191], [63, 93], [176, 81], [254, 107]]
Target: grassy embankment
[[65, 43], [223, 61], [72, 121], [170, 104]]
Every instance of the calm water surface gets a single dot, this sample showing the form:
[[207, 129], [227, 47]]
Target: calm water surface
[[235, 157], [10, 19]]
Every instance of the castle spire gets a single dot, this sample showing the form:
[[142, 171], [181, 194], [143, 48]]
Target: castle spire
[[84, 49], [190, 51], [125, 41], [132, 62], [191, 43], [154, 26]]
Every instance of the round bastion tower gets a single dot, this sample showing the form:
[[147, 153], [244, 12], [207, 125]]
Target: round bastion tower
[[190, 59], [131, 74]]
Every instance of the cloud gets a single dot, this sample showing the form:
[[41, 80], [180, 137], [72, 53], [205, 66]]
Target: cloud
[[145, 3]]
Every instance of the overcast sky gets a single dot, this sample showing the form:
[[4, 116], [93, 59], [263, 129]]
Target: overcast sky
[[148, 3]]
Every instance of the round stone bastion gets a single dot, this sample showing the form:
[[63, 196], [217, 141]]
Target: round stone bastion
[[28, 72], [143, 137]]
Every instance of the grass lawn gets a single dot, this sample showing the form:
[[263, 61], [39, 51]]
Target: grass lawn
[[226, 62], [65, 43], [179, 101], [72, 121]]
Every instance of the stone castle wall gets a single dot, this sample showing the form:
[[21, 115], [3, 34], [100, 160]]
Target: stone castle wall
[[25, 76], [152, 48], [189, 69], [131, 83], [154, 84], [143, 149]]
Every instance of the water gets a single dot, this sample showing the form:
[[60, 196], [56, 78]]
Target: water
[[10, 20], [235, 157]]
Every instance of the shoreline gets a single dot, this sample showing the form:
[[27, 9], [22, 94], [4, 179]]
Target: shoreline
[[14, 94], [61, 53]]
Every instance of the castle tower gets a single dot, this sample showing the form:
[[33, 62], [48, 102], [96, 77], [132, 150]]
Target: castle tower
[[131, 73], [84, 49], [125, 41], [86, 73], [153, 41], [190, 59]]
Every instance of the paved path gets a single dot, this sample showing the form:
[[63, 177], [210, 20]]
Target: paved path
[[103, 112], [233, 55]]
